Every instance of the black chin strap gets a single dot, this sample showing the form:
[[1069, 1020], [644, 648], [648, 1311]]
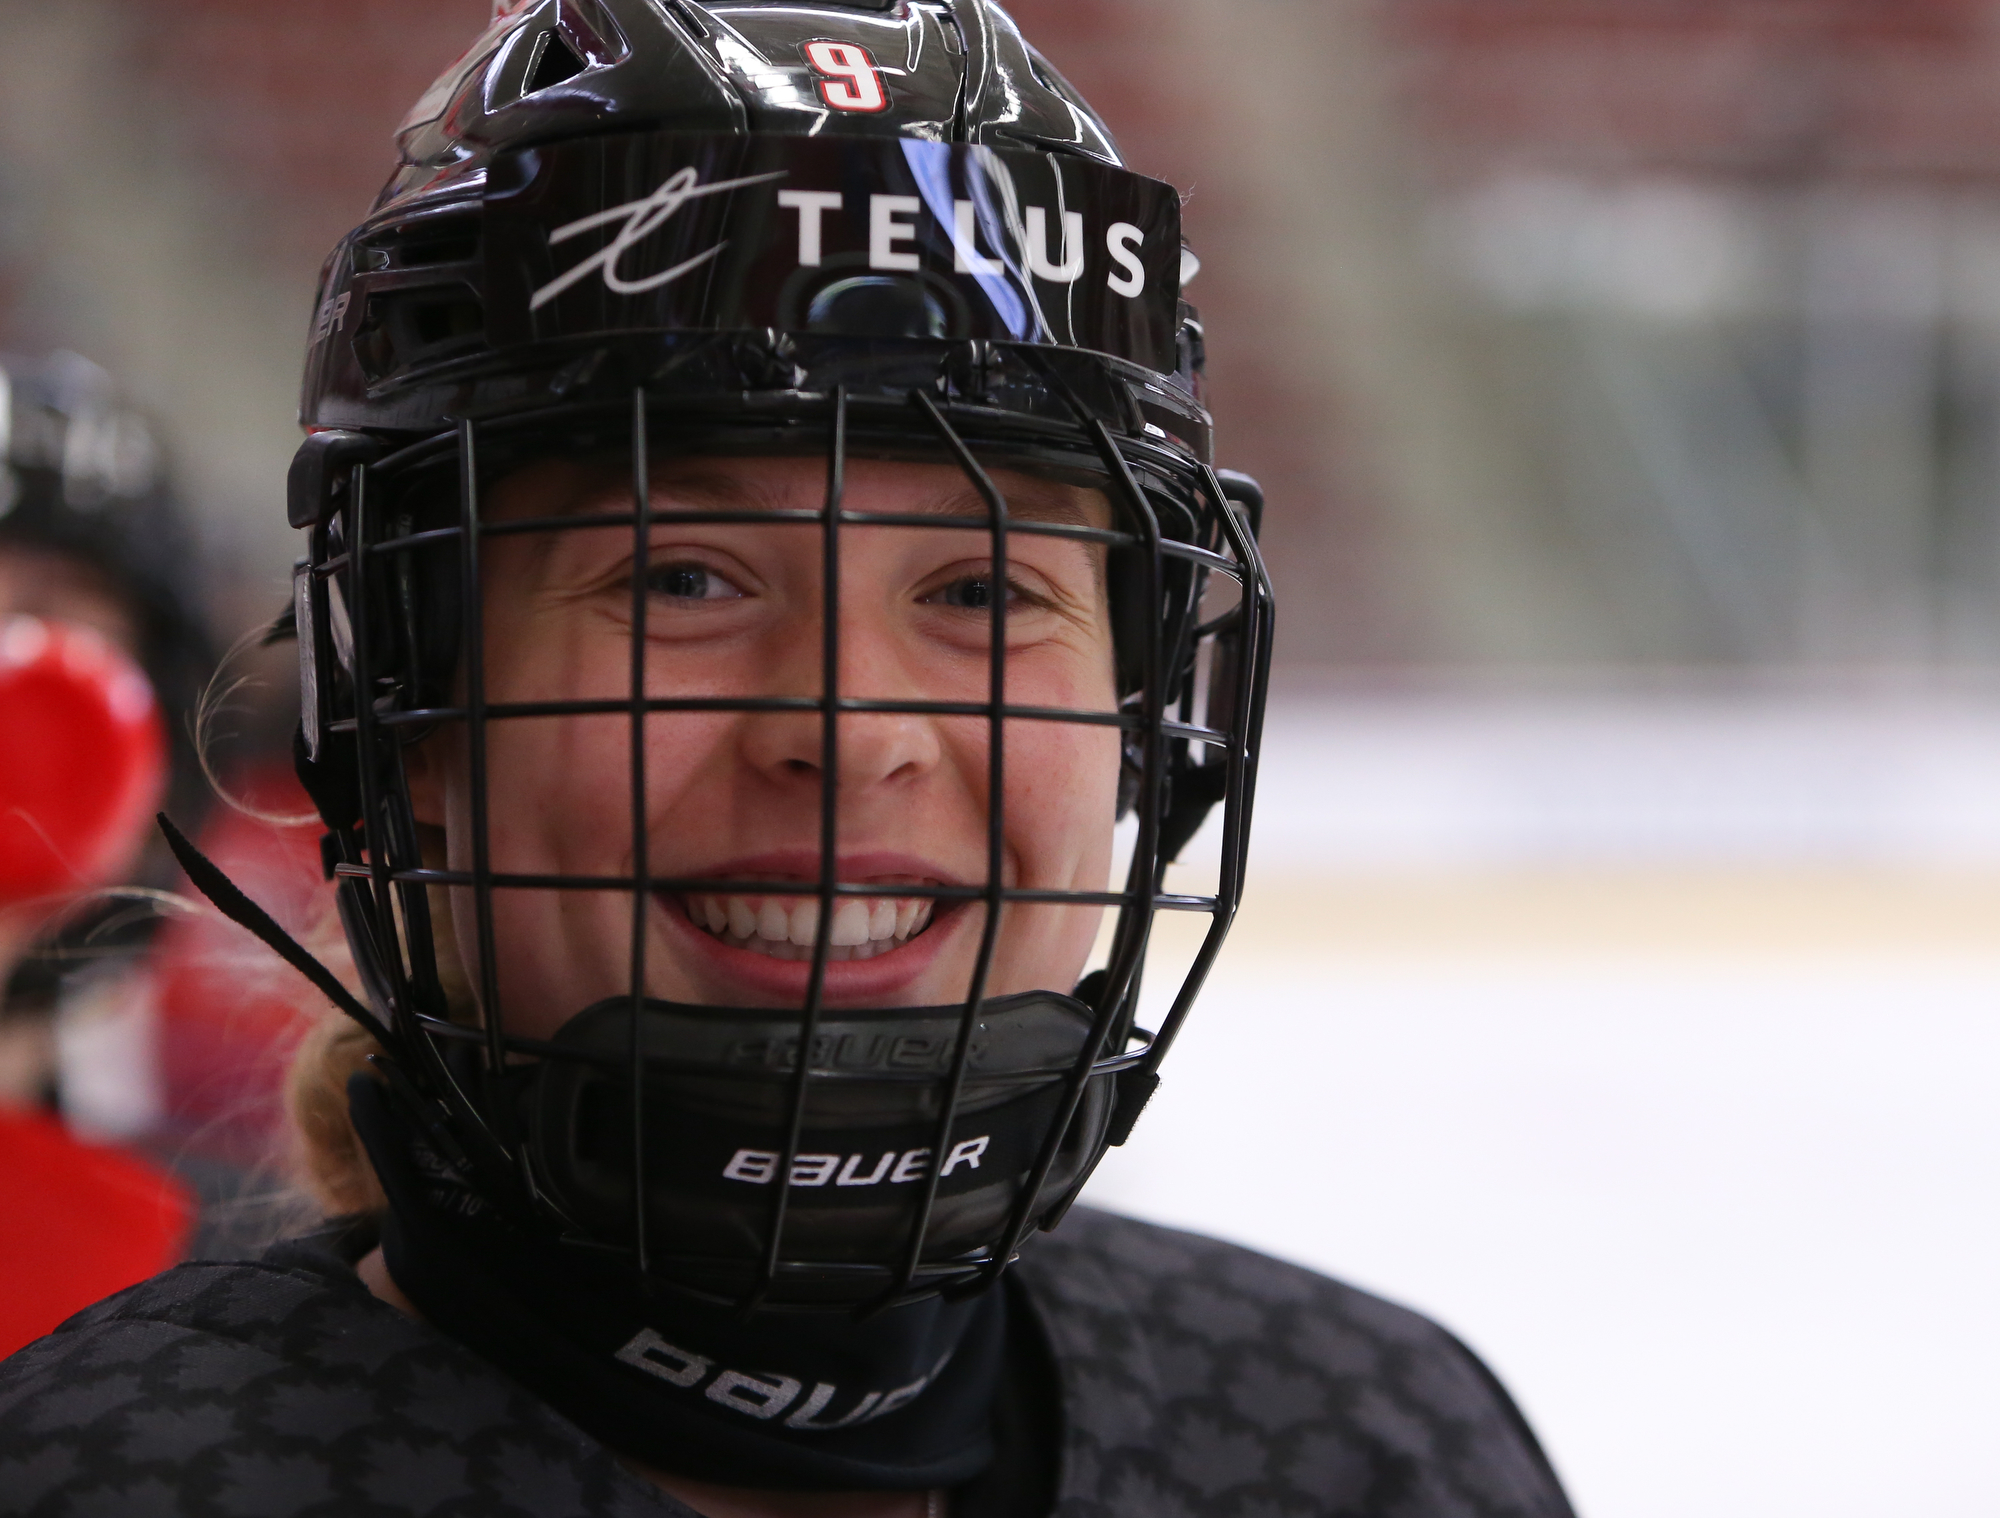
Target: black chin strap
[[229, 900]]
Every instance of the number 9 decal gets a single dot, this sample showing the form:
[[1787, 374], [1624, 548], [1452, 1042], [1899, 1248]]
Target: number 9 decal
[[848, 78]]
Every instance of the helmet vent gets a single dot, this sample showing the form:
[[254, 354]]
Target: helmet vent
[[556, 63], [420, 245], [405, 329]]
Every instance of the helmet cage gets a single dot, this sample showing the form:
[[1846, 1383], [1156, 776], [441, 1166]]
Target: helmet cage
[[1191, 703]]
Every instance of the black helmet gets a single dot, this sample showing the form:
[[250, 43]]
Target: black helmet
[[82, 475], [842, 228]]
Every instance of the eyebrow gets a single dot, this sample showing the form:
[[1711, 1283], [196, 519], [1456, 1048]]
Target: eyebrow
[[1042, 501], [1053, 505]]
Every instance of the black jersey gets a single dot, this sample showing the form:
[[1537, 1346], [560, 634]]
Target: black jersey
[[1168, 1375]]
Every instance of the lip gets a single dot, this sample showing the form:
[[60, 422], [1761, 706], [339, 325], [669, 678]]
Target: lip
[[885, 980]]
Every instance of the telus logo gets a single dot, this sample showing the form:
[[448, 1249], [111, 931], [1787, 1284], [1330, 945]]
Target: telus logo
[[1052, 248], [895, 227]]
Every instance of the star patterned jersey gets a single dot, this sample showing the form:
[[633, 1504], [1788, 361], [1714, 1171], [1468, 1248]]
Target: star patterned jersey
[[1180, 1377]]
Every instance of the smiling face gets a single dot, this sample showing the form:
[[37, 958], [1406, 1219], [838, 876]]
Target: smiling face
[[735, 611]]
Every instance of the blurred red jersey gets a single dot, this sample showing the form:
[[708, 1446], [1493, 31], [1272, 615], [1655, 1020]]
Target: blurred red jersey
[[80, 1222]]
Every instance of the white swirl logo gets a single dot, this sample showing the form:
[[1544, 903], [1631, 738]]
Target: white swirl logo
[[642, 218]]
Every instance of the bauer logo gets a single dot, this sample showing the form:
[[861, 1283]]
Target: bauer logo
[[857, 1051], [766, 1396], [759, 1167], [332, 316]]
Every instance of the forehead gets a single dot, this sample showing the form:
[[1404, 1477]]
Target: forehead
[[562, 487]]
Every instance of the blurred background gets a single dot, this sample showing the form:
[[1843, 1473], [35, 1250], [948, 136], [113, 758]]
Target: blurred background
[[1623, 984]]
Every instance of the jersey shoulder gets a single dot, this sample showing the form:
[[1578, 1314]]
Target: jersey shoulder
[[255, 1388], [1201, 1377]]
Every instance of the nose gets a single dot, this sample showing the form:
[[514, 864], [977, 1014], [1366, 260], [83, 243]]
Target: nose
[[871, 749]]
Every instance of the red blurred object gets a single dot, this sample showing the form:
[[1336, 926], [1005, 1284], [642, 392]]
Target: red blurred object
[[231, 1012], [81, 1222], [82, 759]]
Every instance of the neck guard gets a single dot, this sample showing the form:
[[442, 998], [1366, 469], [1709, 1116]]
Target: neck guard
[[808, 1400]]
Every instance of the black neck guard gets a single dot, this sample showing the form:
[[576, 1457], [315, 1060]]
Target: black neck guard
[[799, 1400]]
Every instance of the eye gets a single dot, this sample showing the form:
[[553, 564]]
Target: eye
[[689, 581], [971, 593]]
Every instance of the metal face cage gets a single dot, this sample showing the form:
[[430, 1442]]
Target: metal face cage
[[727, 1150]]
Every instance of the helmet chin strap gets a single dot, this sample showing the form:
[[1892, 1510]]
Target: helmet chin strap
[[228, 899]]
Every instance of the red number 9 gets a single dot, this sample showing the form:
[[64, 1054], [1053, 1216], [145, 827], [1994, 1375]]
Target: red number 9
[[848, 78]]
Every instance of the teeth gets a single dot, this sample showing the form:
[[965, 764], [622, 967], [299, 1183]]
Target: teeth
[[805, 924], [787, 927], [850, 924], [775, 923]]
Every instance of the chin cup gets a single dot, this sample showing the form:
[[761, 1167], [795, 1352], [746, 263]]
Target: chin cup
[[713, 1105]]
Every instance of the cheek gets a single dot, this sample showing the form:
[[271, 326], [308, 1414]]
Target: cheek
[[557, 791], [561, 788], [1062, 799], [1062, 778], [554, 789]]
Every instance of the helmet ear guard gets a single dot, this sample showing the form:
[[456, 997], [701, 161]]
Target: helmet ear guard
[[1196, 787], [322, 472]]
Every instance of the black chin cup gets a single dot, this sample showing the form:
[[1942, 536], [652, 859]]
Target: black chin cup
[[715, 1102]]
